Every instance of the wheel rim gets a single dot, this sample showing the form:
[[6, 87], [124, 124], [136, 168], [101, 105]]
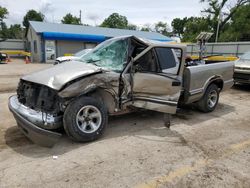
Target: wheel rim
[[212, 99], [89, 119]]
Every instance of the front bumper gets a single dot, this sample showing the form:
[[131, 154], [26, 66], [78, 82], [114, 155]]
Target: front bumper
[[242, 77], [26, 121]]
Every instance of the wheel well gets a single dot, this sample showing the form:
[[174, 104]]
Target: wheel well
[[100, 94], [219, 83], [104, 97]]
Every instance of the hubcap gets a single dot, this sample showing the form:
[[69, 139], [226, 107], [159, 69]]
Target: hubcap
[[212, 99], [88, 119]]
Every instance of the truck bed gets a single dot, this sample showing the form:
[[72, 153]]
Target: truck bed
[[197, 78]]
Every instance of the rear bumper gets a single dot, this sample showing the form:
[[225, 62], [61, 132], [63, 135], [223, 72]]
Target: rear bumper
[[36, 134]]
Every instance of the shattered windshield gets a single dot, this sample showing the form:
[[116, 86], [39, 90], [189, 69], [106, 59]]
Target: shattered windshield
[[82, 52], [111, 54]]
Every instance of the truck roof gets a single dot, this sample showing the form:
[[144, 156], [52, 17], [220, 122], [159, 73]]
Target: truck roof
[[160, 43], [157, 43]]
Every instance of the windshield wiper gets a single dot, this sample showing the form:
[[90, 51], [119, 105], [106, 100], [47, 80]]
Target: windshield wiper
[[93, 61]]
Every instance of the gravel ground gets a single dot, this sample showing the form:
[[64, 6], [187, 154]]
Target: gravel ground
[[199, 150]]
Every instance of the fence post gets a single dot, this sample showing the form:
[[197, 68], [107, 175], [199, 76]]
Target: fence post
[[212, 51], [237, 49]]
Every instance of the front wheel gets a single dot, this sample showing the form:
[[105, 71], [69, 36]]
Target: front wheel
[[52, 56], [210, 99], [85, 119], [57, 62]]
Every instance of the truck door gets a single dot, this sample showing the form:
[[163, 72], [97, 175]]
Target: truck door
[[157, 78]]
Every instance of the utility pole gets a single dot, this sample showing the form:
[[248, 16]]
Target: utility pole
[[218, 26], [80, 17]]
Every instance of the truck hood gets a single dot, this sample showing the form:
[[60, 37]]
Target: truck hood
[[242, 63], [66, 58], [57, 76]]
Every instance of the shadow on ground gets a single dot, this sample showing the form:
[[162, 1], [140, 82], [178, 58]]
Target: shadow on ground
[[194, 116], [241, 87], [147, 125]]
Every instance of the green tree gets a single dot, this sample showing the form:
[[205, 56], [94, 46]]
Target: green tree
[[178, 26], [3, 13], [4, 31], [223, 10], [147, 27], [162, 28], [194, 26], [70, 19], [32, 15], [239, 27], [132, 27], [115, 20], [15, 32]]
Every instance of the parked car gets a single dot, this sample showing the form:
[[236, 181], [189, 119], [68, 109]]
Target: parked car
[[3, 57], [119, 75], [242, 69], [76, 56]]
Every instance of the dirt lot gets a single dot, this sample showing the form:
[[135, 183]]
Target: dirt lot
[[199, 150]]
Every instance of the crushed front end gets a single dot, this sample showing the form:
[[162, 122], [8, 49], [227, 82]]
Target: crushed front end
[[37, 111]]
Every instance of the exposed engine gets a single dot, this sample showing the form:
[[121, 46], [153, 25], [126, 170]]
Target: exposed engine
[[38, 97]]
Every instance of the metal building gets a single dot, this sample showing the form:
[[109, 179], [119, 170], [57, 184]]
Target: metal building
[[46, 41]]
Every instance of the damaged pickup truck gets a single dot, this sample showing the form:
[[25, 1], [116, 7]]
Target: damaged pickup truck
[[119, 75]]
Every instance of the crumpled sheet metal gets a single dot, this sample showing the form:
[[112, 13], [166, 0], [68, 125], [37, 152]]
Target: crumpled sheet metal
[[108, 80]]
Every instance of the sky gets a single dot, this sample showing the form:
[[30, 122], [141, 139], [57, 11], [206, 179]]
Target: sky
[[139, 12]]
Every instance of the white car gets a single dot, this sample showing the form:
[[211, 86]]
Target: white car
[[242, 69], [50, 53], [76, 56]]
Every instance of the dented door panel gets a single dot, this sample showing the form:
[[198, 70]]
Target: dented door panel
[[156, 89], [166, 108], [155, 84], [155, 92]]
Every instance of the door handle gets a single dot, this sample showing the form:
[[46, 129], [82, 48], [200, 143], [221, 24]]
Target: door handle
[[176, 83]]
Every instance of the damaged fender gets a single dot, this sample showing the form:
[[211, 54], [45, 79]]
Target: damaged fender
[[106, 84]]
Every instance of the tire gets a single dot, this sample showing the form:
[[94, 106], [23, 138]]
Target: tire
[[80, 117], [57, 62], [209, 100]]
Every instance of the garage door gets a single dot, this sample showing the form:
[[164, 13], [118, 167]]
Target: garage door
[[68, 47]]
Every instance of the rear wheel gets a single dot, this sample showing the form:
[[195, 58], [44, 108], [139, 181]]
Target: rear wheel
[[85, 119], [210, 99]]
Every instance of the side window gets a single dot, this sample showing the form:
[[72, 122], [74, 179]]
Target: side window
[[28, 46], [169, 59], [35, 46], [147, 63]]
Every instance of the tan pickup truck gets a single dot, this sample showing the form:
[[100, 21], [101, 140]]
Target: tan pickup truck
[[119, 75]]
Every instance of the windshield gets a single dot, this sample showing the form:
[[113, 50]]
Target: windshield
[[246, 56], [82, 52], [111, 54]]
